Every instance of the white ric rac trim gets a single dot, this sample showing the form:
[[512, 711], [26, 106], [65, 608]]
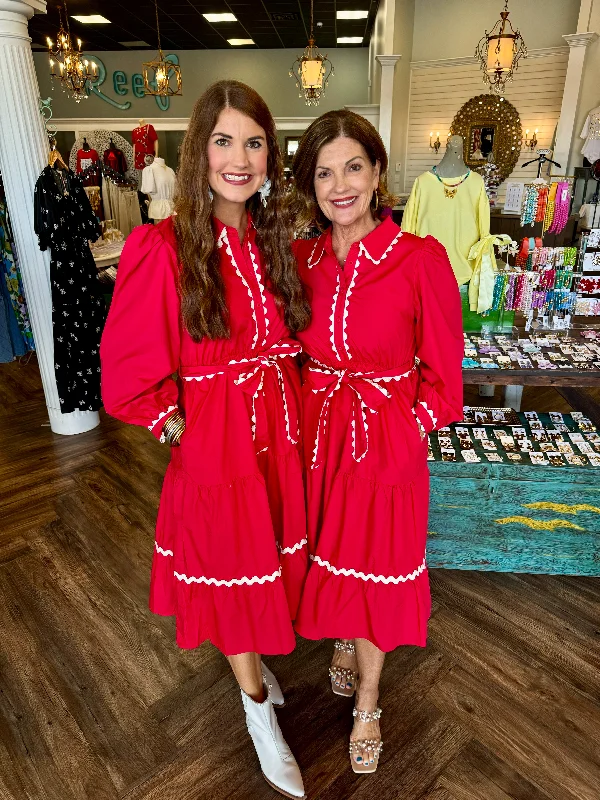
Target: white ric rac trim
[[346, 305], [369, 576], [332, 317], [310, 263], [159, 549], [233, 582], [363, 249], [160, 416], [288, 551], [224, 240], [261, 289], [429, 411]]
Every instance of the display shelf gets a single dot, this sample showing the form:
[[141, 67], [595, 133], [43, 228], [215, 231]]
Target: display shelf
[[514, 517]]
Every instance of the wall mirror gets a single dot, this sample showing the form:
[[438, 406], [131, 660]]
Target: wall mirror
[[491, 130]]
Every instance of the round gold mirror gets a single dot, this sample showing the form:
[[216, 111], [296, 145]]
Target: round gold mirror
[[491, 130]]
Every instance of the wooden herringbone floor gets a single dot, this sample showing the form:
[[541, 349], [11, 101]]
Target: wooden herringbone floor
[[97, 702]]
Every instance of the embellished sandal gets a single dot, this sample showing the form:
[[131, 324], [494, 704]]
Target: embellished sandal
[[372, 747], [347, 677]]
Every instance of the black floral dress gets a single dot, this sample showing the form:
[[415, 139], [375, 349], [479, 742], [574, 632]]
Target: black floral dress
[[64, 222]]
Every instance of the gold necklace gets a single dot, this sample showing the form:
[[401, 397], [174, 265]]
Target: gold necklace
[[450, 189]]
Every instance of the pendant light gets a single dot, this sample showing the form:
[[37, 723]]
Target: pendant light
[[499, 52], [163, 69], [312, 70], [74, 73]]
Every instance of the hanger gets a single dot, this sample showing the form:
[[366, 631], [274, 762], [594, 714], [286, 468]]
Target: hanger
[[55, 159]]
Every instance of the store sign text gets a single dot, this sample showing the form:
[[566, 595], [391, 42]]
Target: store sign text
[[120, 85]]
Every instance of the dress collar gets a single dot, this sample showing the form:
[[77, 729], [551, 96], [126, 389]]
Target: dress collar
[[375, 245], [219, 227]]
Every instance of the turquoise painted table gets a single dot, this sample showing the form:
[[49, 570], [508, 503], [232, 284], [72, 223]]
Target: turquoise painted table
[[514, 517]]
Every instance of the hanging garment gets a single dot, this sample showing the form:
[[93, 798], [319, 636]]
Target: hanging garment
[[129, 210], [10, 277], [591, 134], [64, 221], [158, 181], [457, 222], [85, 159], [114, 158], [230, 553], [95, 198], [143, 144], [386, 347]]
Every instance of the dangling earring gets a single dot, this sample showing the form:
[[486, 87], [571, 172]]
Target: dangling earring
[[210, 194], [376, 193], [265, 191]]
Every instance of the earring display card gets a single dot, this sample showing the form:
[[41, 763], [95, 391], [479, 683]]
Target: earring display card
[[554, 439], [514, 197]]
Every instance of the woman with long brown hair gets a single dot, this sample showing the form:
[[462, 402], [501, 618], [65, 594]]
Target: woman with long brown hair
[[211, 296], [385, 346]]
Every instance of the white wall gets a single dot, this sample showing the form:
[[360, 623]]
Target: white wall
[[438, 92], [403, 46], [452, 28], [590, 88]]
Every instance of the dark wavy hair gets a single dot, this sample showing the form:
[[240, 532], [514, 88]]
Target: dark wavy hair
[[322, 131], [203, 303]]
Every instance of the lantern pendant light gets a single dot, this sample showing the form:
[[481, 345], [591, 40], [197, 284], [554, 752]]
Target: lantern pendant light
[[499, 52], [164, 71], [312, 70]]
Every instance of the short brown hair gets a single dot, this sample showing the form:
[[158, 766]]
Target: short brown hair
[[322, 131], [203, 303]]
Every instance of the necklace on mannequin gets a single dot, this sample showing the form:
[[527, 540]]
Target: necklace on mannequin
[[450, 189]]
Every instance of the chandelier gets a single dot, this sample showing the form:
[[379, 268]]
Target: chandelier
[[75, 74], [312, 70], [164, 71], [499, 52]]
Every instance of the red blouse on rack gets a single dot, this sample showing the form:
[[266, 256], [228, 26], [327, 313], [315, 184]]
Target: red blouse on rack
[[230, 553], [385, 347], [143, 144]]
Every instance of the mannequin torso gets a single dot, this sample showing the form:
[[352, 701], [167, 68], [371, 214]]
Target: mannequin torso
[[452, 164]]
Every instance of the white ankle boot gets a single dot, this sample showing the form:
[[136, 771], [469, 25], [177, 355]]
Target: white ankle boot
[[277, 697], [278, 765]]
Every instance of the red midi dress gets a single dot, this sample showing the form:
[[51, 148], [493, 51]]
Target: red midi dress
[[230, 554], [385, 346]]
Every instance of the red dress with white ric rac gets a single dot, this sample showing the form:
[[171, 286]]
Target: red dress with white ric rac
[[230, 555], [385, 345]]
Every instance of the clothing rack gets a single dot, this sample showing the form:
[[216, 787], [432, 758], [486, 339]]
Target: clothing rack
[[112, 175]]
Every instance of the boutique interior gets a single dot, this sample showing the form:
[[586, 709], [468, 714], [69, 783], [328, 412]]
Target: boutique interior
[[490, 115]]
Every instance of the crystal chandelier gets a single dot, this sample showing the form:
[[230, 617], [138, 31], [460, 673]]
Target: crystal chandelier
[[312, 70], [499, 52], [164, 71], [75, 74]]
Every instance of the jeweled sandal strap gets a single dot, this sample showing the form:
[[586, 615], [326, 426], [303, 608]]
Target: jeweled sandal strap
[[344, 647], [341, 672], [374, 746], [366, 716]]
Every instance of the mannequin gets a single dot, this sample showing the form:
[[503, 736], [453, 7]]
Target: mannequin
[[145, 142], [450, 203], [591, 134], [158, 181], [86, 158], [452, 164]]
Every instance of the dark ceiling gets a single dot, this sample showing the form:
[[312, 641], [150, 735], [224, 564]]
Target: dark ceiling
[[270, 23]]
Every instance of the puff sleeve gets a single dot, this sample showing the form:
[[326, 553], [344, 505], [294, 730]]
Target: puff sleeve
[[140, 347], [439, 339]]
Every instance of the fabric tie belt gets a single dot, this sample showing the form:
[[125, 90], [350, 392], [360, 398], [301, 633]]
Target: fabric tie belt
[[249, 375], [369, 394]]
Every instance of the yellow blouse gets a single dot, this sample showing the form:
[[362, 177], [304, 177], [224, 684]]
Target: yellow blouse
[[457, 222]]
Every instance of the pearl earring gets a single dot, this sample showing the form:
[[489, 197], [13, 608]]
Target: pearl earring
[[265, 191]]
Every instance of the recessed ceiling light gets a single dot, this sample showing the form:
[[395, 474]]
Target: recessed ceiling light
[[349, 39], [240, 42], [135, 44], [91, 19], [352, 14], [220, 17]]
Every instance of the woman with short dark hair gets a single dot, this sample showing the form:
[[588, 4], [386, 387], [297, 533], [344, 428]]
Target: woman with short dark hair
[[212, 294], [385, 346]]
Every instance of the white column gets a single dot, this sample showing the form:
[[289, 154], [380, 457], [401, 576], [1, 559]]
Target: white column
[[578, 43], [23, 155], [386, 99]]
